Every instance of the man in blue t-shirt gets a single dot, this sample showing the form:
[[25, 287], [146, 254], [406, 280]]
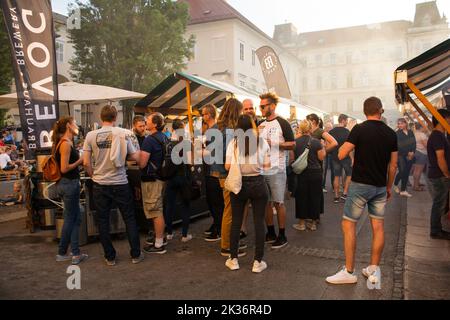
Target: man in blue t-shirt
[[152, 185], [438, 149]]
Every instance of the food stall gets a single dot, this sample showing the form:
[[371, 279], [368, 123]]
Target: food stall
[[421, 81]]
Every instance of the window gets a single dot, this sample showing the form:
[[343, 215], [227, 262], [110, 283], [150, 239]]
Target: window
[[242, 83], [348, 58], [218, 49], [319, 83], [349, 80], [318, 60], [350, 105], [334, 106], [59, 51], [305, 84], [333, 80], [241, 51], [364, 79], [333, 58], [253, 57]]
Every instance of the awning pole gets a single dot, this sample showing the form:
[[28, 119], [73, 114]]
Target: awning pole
[[428, 105], [424, 116], [189, 108]]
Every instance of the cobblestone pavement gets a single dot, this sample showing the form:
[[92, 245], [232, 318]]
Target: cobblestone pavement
[[196, 270]]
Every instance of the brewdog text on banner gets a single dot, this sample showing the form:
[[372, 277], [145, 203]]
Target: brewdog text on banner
[[31, 34], [273, 72]]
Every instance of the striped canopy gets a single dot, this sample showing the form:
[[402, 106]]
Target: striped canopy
[[430, 72], [170, 96]]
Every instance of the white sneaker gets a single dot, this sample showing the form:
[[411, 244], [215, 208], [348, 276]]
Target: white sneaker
[[396, 189], [259, 267], [324, 190], [342, 277], [187, 238], [232, 264], [169, 236], [405, 194], [299, 227], [373, 275]]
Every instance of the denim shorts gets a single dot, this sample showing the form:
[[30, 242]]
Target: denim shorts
[[360, 195], [420, 158], [277, 186], [345, 165]]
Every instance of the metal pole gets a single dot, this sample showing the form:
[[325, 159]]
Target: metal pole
[[189, 108]]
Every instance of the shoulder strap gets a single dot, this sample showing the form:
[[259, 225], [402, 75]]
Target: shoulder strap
[[58, 145]]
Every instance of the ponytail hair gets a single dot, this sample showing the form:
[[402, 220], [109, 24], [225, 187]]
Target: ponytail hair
[[59, 129]]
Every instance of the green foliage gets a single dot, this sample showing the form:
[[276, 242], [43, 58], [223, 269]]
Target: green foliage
[[6, 71], [130, 44]]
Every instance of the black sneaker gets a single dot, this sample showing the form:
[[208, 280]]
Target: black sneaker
[[151, 241], [242, 235], [344, 197], [443, 235], [209, 231], [227, 253], [336, 200], [153, 249], [213, 237], [271, 238], [280, 243]]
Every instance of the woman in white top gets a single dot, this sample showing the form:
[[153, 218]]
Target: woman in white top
[[252, 153], [421, 157]]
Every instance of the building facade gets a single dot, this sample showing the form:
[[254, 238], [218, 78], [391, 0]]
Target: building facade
[[226, 44], [340, 68]]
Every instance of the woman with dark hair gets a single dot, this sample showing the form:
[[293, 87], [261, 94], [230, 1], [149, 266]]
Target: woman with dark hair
[[68, 188], [252, 154], [406, 150]]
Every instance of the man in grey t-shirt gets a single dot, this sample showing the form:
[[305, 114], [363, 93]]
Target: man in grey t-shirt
[[105, 152]]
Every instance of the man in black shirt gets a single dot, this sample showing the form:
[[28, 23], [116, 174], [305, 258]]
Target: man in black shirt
[[438, 149], [341, 133], [375, 164]]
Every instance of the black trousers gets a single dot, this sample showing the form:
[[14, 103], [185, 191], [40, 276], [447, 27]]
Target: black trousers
[[214, 198], [253, 189]]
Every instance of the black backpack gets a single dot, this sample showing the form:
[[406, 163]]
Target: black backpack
[[168, 169]]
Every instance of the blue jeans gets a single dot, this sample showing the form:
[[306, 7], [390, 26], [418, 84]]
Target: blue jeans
[[439, 192], [178, 185], [328, 164], [69, 191], [361, 195], [121, 195], [404, 168]]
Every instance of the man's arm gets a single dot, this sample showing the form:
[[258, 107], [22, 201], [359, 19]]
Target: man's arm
[[87, 162], [442, 162], [392, 170], [345, 150], [143, 159], [287, 145], [331, 142], [135, 156]]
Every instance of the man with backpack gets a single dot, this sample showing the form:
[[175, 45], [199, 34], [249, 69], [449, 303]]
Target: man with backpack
[[155, 163]]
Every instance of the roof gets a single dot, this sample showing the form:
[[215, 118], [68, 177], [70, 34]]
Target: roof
[[204, 11], [382, 31], [427, 13], [430, 72]]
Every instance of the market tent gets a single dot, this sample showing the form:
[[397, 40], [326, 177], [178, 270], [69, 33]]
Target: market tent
[[423, 79], [78, 93], [170, 96]]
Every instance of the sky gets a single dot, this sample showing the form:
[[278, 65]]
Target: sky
[[314, 15]]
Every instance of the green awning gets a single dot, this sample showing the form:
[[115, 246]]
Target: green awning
[[169, 97]]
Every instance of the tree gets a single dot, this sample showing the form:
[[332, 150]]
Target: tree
[[6, 71], [130, 44]]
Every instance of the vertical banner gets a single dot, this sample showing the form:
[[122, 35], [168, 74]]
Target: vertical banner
[[273, 72], [32, 39]]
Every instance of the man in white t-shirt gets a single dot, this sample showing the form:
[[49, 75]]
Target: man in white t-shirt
[[5, 160], [104, 152], [280, 137]]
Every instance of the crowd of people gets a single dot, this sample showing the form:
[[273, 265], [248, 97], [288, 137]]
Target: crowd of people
[[249, 173]]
